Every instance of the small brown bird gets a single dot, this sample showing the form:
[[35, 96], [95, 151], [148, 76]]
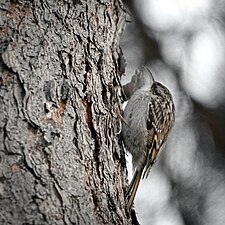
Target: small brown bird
[[149, 116]]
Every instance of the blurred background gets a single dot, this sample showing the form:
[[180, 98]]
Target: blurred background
[[183, 43]]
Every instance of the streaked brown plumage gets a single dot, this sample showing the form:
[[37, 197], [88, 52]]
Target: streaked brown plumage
[[149, 116]]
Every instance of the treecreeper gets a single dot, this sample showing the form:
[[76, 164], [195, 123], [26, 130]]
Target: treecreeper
[[148, 118]]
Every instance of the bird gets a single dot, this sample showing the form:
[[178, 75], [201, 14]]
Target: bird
[[148, 118]]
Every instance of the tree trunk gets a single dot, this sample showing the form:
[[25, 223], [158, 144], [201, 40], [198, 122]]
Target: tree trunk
[[60, 97]]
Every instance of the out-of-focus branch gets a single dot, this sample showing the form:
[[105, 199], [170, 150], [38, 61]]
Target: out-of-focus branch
[[136, 82]]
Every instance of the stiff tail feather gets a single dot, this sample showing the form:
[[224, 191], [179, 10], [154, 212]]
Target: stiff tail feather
[[132, 189]]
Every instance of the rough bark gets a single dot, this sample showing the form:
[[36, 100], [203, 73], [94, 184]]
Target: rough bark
[[60, 161]]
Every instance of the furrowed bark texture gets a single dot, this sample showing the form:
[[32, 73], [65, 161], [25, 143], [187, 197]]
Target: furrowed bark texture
[[60, 161]]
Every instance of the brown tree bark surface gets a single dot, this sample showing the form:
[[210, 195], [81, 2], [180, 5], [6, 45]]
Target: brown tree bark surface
[[60, 96]]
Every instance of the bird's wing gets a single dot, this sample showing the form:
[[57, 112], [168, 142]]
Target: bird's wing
[[159, 119]]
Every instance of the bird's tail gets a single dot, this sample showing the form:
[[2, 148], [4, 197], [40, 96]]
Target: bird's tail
[[132, 189]]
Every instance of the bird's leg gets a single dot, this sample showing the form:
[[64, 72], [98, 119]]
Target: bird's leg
[[122, 118]]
